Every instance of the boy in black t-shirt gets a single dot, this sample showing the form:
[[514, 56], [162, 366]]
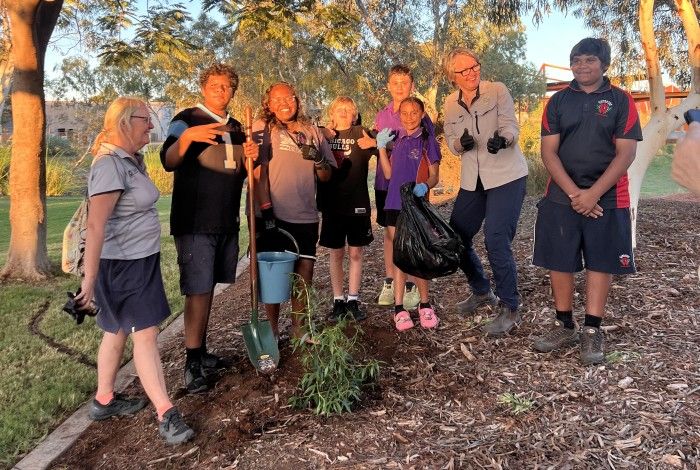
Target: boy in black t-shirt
[[345, 206], [205, 148], [589, 139]]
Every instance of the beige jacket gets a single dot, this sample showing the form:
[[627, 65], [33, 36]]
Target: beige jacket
[[492, 110]]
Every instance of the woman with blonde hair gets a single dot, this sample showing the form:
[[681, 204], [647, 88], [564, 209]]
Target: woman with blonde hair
[[345, 207], [481, 128], [122, 267]]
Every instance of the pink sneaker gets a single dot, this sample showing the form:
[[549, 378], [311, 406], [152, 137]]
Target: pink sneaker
[[403, 321], [428, 319]]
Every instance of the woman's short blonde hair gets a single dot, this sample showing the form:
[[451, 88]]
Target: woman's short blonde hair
[[117, 120], [447, 63], [337, 102]]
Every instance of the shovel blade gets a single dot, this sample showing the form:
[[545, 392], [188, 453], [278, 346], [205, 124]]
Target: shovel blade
[[261, 345]]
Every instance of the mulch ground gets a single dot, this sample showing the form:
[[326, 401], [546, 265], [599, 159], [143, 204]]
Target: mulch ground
[[436, 404]]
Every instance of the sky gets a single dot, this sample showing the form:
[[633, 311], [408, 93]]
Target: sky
[[552, 40]]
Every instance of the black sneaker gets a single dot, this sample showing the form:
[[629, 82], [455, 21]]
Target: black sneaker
[[121, 405], [213, 362], [174, 429], [195, 380], [339, 310], [353, 308]]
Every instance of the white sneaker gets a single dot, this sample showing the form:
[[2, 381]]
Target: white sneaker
[[411, 298], [386, 296]]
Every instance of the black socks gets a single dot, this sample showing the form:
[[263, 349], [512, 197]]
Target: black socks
[[592, 320], [424, 305], [566, 317], [194, 354]]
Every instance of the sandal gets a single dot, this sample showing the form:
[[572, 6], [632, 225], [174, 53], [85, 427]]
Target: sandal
[[428, 319], [403, 321]]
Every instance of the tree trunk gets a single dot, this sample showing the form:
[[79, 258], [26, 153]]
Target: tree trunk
[[31, 25], [663, 120]]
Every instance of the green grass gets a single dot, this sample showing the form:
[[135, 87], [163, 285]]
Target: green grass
[[657, 179], [39, 386]]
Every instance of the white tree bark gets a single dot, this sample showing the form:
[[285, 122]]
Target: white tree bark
[[663, 120]]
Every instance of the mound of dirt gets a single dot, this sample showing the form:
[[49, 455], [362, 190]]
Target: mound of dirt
[[442, 400]]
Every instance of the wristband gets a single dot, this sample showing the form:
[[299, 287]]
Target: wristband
[[267, 205]]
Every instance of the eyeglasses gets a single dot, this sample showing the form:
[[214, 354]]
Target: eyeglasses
[[147, 119], [283, 99], [300, 138], [469, 70]]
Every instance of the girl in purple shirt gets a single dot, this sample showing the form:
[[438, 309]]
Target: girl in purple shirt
[[412, 146]]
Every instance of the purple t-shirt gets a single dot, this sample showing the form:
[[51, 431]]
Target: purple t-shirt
[[387, 117], [405, 160]]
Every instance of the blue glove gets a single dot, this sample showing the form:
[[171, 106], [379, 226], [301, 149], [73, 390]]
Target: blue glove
[[420, 190], [384, 137]]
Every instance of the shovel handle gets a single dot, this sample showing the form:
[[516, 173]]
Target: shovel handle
[[251, 221]]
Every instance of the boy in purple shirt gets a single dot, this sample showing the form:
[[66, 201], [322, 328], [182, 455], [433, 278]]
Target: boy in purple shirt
[[412, 145], [400, 86]]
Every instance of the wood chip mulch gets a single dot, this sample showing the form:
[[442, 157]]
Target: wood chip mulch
[[438, 403]]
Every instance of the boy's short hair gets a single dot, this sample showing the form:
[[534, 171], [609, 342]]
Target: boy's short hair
[[400, 69], [219, 69], [598, 47]]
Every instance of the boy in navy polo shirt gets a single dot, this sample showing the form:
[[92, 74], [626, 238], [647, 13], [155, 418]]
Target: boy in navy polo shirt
[[589, 139]]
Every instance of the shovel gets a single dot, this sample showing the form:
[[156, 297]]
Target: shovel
[[259, 339]]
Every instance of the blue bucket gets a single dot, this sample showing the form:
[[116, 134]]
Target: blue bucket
[[274, 269]]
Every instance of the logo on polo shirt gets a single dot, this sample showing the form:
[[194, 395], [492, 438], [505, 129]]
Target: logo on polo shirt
[[603, 107], [625, 261]]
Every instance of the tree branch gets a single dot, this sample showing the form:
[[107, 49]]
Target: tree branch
[[688, 17], [657, 95], [375, 31]]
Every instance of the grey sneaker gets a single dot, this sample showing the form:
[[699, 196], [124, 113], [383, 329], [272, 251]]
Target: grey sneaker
[[506, 320], [592, 345], [475, 301], [121, 405], [195, 379], [212, 361], [174, 429], [556, 338]]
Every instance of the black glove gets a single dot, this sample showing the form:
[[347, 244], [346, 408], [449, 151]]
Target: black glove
[[77, 312], [496, 143], [269, 221], [309, 152], [466, 141]]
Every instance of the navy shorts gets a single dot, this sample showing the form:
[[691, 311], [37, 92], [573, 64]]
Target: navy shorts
[[380, 200], [306, 236], [337, 228], [565, 240], [391, 216], [204, 260], [130, 294]]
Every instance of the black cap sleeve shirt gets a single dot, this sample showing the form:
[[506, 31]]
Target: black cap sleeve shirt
[[207, 184], [346, 193], [588, 125]]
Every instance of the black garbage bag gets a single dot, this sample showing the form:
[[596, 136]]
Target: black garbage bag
[[425, 245]]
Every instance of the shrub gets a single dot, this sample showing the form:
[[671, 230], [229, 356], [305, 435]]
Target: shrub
[[333, 379], [60, 147], [530, 144], [61, 180], [5, 151], [161, 178]]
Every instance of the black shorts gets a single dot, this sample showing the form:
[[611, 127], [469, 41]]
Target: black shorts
[[204, 260], [391, 216], [337, 228], [380, 200], [566, 240], [306, 236], [130, 294]]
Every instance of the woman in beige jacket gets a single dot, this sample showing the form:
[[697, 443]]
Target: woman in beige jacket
[[481, 128]]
